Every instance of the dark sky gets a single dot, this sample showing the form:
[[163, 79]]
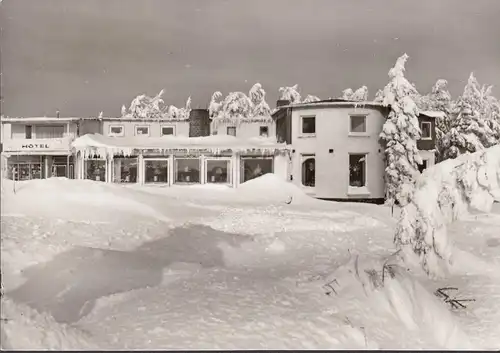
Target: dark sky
[[87, 56]]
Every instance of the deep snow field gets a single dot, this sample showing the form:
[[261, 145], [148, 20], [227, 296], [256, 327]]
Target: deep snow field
[[89, 265]]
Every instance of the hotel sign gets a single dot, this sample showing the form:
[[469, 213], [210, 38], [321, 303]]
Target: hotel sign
[[34, 145]]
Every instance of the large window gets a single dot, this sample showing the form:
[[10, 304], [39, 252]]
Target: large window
[[156, 170], [187, 170], [49, 132], [358, 124], [357, 170], [255, 167], [60, 166], [218, 171], [308, 125], [142, 130], [95, 169], [426, 126], [116, 130], [125, 170], [167, 130], [26, 169], [308, 171], [231, 130]]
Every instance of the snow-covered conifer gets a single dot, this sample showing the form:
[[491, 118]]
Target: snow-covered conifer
[[258, 98], [310, 98], [475, 123], [400, 133], [215, 105], [347, 94]]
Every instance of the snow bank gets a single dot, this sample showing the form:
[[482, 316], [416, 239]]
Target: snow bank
[[271, 186], [399, 300], [26, 329]]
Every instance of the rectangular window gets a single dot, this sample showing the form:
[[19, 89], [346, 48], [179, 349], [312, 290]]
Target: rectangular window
[[49, 132], [125, 170], [116, 130], [29, 131], [358, 124], [426, 126], [264, 131], [95, 169], [357, 170], [308, 125], [231, 130], [156, 170], [187, 170], [218, 171], [167, 130], [252, 168], [142, 130]]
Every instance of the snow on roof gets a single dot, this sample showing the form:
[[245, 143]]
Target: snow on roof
[[42, 119], [433, 114], [332, 102], [103, 145]]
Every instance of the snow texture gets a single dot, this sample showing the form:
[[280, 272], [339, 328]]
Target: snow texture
[[360, 95], [144, 107], [443, 194], [400, 133]]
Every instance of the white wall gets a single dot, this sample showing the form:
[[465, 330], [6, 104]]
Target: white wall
[[181, 127], [332, 132], [245, 129]]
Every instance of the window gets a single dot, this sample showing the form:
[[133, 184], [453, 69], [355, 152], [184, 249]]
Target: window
[[218, 171], [231, 130], [426, 126], [125, 170], [167, 130], [187, 170], [358, 124], [309, 171], [49, 132], [423, 166], [309, 125], [264, 131], [95, 169], [357, 170], [156, 170], [116, 130], [142, 130], [28, 130], [252, 168]]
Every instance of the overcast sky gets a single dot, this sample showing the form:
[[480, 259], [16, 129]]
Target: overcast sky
[[86, 56]]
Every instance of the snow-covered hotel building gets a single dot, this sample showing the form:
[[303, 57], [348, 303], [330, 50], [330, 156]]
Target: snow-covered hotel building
[[336, 150]]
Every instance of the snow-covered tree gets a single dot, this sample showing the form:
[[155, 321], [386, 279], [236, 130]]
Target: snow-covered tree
[[290, 94], [443, 194], [260, 106], [400, 133], [237, 105], [475, 124], [379, 96], [310, 98], [145, 107], [360, 95], [215, 105], [124, 111]]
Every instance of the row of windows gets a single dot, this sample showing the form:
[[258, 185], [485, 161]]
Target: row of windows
[[40, 132], [185, 170], [263, 131], [140, 130], [357, 126]]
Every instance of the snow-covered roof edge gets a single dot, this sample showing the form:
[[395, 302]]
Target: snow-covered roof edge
[[43, 118], [333, 103], [433, 113]]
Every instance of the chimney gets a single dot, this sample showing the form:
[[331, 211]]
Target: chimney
[[282, 102], [57, 114]]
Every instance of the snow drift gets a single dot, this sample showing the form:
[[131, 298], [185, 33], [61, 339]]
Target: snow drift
[[272, 186]]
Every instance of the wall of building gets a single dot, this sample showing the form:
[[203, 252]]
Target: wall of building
[[244, 129], [331, 146], [181, 127], [17, 131]]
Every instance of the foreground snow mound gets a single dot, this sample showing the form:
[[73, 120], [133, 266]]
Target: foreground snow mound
[[390, 294], [26, 329], [271, 186]]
